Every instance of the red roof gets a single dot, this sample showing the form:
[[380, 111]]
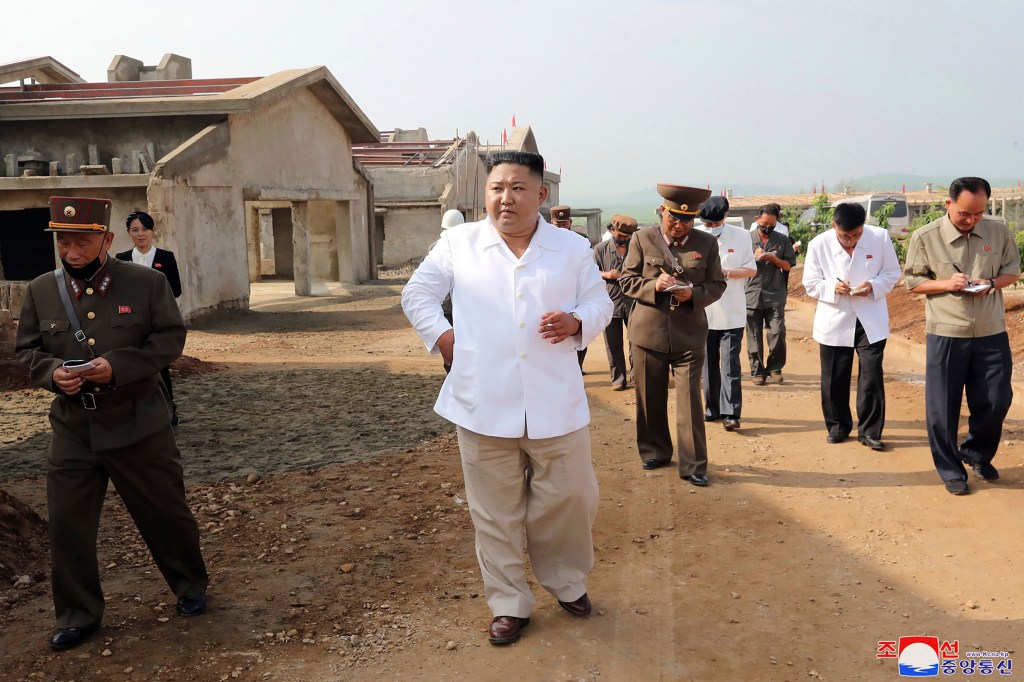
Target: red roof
[[124, 90]]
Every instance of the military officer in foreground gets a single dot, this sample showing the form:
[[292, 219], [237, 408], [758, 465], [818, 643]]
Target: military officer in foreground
[[673, 272], [96, 333]]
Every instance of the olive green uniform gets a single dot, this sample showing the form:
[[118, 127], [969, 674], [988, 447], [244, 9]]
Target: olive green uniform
[[669, 336], [129, 317]]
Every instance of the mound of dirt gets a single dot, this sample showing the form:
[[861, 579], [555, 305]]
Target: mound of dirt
[[12, 374], [22, 540], [187, 366]]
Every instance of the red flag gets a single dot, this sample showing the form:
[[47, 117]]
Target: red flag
[[513, 120], [709, 185], [1018, 184], [904, 188], [822, 186], [815, 191], [545, 165], [504, 136]]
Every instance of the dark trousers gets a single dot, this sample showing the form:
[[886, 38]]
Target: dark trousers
[[775, 320], [614, 338], [982, 367], [148, 477], [580, 355], [653, 438], [722, 393], [836, 370]]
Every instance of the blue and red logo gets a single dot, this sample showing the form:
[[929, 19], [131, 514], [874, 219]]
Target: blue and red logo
[[918, 656]]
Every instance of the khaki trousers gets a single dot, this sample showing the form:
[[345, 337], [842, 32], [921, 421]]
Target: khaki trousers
[[542, 491]]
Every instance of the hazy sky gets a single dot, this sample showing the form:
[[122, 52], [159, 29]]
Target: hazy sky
[[621, 95]]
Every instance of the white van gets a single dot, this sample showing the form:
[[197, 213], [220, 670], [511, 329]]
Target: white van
[[899, 220]]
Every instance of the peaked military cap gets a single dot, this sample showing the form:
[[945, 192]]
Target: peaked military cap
[[561, 213], [79, 214], [681, 201], [623, 223]]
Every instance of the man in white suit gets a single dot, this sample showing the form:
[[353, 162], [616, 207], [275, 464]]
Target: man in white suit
[[850, 269], [526, 296]]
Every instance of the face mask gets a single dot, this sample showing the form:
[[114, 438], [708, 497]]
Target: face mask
[[84, 272], [717, 231], [621, 241], [766, 230]]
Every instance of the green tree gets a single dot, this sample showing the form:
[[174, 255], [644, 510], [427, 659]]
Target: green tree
[[881, 217]]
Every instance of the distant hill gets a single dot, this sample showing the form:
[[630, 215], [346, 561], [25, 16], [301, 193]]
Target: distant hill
[[642, 201], [894, 182]]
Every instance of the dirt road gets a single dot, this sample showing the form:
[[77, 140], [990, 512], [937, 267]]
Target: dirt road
[[352, 557]]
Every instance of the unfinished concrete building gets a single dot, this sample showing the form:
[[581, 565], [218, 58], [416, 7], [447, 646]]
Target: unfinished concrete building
[[416, 179], [244, 176]]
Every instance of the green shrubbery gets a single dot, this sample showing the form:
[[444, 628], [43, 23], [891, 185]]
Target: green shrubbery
[[804, 231]]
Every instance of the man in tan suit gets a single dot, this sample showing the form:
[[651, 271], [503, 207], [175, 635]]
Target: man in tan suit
[[111, 415], [674, 273]]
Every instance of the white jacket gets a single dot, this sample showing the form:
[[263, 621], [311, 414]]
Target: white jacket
[[873, 260], [505, 378], [736, 251]]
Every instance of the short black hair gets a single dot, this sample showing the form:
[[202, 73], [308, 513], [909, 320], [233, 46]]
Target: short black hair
[[142, 217], [770, 209], [849, 216], [970, 184], [534, 162]]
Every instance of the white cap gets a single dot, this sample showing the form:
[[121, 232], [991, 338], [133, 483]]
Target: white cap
[[451, 218]]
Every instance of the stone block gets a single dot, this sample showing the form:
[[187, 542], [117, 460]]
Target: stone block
[[123, 68], [174, 67], [94, 155], [71, 164], [8, 331], [115, 165], [18, 290], [10, 165], [54, 168]]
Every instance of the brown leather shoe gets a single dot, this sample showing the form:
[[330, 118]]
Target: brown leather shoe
[[580, 607], [506, 629]]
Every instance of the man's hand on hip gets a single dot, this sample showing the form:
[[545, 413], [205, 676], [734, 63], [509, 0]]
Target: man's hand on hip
[[446, 344]]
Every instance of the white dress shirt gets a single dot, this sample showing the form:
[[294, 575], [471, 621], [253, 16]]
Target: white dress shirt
[[873, 260], [144, 258], [506, 380], [736, 251]]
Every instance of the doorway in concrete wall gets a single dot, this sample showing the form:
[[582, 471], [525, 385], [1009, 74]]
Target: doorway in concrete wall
[[278, 247], [26, 249]]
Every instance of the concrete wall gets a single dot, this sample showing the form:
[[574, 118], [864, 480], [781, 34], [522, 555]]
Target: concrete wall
[[409, 184], [361, 264], [409, 232], [113, 137], [323, 234], [291, 148]]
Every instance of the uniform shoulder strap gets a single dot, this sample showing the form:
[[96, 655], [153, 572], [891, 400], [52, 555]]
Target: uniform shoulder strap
[[65, 298]]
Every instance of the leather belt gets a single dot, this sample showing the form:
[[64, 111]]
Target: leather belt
[[104, 399]]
